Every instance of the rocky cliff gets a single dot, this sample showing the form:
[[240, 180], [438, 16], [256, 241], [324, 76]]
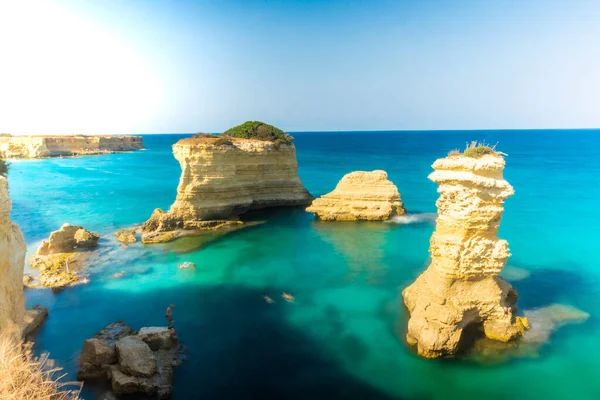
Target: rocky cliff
[[461, 293], [360, 195], [224, 178], [54, 146], [12, 261]]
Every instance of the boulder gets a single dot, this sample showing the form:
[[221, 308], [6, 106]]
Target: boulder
[[86, 239], [136, 357], [33, 319], [158, 337], [126, 236], [96, 356], [126, 384]]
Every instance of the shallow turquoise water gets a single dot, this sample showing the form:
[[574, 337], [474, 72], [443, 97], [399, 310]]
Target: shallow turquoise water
[[342, 337]]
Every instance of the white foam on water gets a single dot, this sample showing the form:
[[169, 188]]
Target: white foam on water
[[413, 219]]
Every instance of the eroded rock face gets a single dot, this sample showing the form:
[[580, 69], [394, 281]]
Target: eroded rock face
[[461, 288], [367, 196], [219, 182], [60, 257], [12, 261]]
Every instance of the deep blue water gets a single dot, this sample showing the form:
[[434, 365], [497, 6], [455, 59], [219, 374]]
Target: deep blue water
[[343, 335]]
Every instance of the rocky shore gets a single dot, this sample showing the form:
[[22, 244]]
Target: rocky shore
[[57, 146], [461, 293], [360, 196]]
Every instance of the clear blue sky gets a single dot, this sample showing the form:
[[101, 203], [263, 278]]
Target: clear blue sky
[[183, 66]]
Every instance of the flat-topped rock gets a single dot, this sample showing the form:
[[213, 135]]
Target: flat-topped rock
[[33, 318], [367, 196], [158, 337], [223, 178], [68, 145]]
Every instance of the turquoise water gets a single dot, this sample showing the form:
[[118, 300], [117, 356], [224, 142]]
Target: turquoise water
[[342, 336]]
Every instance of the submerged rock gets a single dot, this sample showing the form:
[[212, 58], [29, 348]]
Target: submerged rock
[[461, 289], [367, 196], [60, 257], [544, 321], [222, 179], [126, 236], [34, 317]]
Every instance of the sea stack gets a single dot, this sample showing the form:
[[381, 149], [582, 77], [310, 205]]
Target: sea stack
[[360, 196], [251, 166], [461, 293], [12, 261]]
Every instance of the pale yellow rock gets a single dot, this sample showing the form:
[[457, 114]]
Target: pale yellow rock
[[54, 146], [220, 182], [12, 261], [62, 256], [360, 195], [461, 286]]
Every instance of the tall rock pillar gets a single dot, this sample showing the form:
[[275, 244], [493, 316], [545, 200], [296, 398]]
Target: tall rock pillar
[[461, 288]]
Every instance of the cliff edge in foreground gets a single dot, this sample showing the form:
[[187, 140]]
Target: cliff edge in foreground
[[12, 261], [461, 292], [55, 146], [366, 196], [224, 177]]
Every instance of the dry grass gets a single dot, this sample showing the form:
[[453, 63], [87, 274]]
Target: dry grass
[[24, 377]]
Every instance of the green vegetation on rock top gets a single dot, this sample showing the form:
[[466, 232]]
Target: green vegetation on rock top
[[475, 150], [3, 168], [258, 130]]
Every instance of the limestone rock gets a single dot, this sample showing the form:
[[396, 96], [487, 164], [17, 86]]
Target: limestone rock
[[158, 337], [55, 146], [130, 364], [12, 261], [220, 182], [96, 357], [34, 317], [461, 288], [136, 357], [126, 236], [368, 196], [62, 255]]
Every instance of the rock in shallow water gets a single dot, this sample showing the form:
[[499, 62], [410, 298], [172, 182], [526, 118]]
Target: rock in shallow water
[[366, 196], [34, 317], [126, 236], [96, 356], [158, 337]]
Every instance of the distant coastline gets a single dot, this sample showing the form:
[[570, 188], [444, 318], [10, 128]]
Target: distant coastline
[[44, 146]]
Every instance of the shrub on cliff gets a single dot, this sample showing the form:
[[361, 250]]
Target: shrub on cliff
[[475, 149], [258, 130], [24, 377], [205, 135], [4, 166], [223, 140]]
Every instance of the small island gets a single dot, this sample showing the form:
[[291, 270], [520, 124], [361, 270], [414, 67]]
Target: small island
[[65, 146]]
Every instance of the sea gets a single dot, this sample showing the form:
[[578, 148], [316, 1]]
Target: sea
[[342, 336]]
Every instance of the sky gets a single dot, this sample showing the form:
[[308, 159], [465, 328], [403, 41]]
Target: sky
[[133, 66]]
